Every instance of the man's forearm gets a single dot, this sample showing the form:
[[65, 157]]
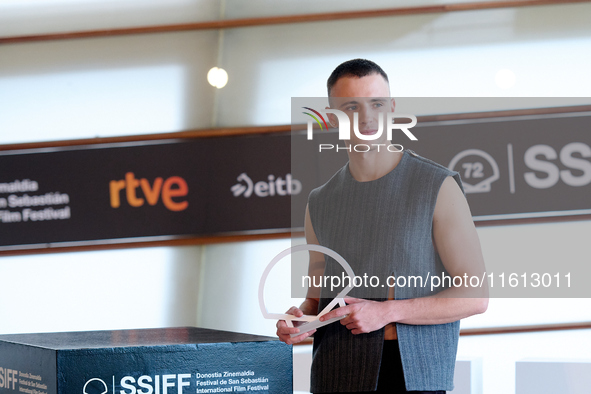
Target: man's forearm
[[433, 310]]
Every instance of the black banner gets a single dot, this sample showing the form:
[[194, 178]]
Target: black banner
[[511, 167], [194, 187], [516, 168]]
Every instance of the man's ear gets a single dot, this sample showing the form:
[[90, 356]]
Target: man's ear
[[333, 121], [393, 106]]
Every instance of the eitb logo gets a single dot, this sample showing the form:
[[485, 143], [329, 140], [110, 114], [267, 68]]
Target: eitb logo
[[274, 186], [385, 121]]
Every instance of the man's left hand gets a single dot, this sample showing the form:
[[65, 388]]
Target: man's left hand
[[361, 316]]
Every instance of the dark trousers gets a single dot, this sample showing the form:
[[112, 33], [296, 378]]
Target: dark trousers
[[391, 379]]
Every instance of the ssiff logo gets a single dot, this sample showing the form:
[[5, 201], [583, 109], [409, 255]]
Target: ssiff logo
[[145, 384], [8, 378], [344, 125]]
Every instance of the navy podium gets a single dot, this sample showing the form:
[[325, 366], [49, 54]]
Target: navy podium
[[148, 361]]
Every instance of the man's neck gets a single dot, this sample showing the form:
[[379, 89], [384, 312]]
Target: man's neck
[[369, 166]]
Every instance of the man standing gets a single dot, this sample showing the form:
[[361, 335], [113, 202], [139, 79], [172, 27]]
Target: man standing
[[389, 213]]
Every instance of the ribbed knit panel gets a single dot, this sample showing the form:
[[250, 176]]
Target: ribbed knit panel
[[382, 228]]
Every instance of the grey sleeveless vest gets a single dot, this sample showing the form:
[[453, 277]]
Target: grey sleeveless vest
[[382, 227]]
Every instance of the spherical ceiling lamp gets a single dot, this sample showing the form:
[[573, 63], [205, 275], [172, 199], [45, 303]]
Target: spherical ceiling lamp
[[217, 77]]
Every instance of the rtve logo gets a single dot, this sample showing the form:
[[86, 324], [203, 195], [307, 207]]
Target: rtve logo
[[175, 186], [273, 186]]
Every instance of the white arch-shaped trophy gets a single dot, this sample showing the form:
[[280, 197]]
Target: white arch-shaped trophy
[[312, 322]]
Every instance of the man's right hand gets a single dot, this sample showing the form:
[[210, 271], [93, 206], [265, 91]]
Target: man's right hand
[[284, 332]]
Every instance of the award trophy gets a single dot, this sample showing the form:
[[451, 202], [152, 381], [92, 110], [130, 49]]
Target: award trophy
[[311, 322]]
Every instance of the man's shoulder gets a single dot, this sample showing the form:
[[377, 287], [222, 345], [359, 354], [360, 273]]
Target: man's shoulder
[[428, 164]]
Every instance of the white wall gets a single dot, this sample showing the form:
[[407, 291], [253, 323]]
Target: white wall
[[228, 298], [435, 55], [29, 17], [116, 289], [156, 82], [106, 86]]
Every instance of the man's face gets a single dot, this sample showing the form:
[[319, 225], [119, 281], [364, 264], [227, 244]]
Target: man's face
[[368, 96]]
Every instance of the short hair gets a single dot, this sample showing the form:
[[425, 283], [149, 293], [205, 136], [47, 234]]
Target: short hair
[[354, 68]]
